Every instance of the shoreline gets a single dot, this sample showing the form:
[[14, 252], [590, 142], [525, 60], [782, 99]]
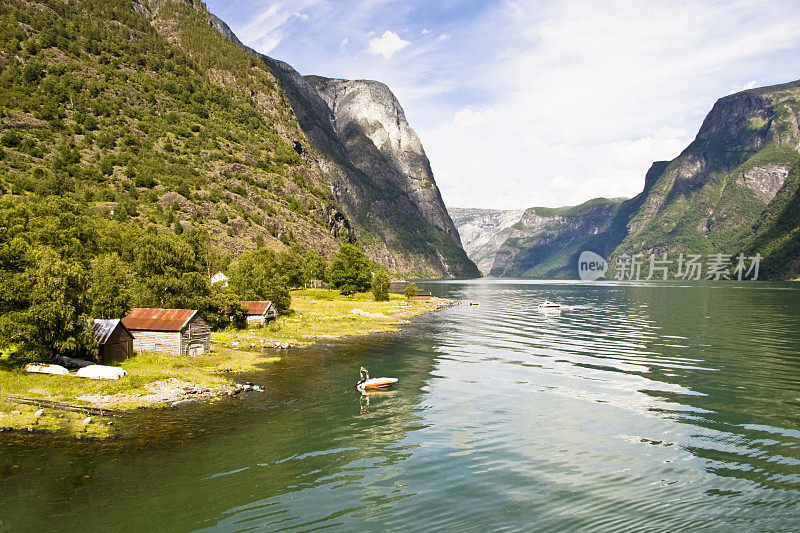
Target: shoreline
[[158, 381]]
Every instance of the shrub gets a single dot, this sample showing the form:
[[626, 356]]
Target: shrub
[[380, 285], [10, 139], [411, 290]]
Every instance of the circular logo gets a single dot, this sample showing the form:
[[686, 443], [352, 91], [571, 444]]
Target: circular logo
[[591, 266]]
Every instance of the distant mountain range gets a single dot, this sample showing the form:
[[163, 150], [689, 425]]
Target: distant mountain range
[[733, 190]]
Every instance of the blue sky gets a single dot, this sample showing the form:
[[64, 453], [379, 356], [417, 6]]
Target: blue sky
[[535, 103]]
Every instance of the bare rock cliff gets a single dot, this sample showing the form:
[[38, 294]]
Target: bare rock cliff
[[483, 232], [376, 168], [395, 154]]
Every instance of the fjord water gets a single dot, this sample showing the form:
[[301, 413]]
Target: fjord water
[[643, 407]]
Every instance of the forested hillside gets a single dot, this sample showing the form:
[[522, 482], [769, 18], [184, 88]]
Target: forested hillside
[[140, 151], [97, 106]]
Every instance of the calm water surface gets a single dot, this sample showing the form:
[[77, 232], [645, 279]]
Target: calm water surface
[[644, 407]]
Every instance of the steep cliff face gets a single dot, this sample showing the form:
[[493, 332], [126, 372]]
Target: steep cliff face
[[483, 232], [379, 141], [715, 195], [376, 168], [735, 188]]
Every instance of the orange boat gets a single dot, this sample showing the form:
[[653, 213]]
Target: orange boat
[[366, 384]]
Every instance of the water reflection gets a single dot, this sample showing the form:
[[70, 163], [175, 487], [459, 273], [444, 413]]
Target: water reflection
[[638, 406]]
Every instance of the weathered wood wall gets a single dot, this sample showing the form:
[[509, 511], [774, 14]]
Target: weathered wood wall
[[157, 341], [117, 348], [196, 337], [261, 320], [255, 320]]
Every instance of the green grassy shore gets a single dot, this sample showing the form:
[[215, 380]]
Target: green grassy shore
[[158, 380]]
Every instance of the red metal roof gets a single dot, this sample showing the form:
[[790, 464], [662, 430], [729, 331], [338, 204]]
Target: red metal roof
[[255, 308], [145, 318]]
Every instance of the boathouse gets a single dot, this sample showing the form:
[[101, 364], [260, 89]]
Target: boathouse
[[114, 339], [421, 296], [172, 331], [259, 313]]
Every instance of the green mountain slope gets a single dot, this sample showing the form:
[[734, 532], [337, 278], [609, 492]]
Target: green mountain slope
[[733, 190], [546, 242], [156, 117], [729, 183], [144, 112], [777, 236]]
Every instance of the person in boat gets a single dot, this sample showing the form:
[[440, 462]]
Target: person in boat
[[363, 376]]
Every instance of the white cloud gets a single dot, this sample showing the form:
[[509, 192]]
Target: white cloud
[[527, 96], [562, 184], [634, 155], [590, 95], [265, 31], [387, 44], [469, 118], [738, 88]]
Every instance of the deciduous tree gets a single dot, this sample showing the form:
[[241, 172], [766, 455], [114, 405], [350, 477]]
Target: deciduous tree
[[349, 271]]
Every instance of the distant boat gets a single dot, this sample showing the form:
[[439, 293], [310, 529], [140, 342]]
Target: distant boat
[[367, 384], [547, 304]]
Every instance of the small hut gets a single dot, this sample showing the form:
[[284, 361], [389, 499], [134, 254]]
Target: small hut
[[421, 296], [259, 313], [116, 342], [173, 331]]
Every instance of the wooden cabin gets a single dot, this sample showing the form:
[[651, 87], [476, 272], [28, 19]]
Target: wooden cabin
[[259, 313], [421, 296], [172, 331], [116, 342]]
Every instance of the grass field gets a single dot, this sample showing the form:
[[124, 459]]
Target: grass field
[[317, 314]]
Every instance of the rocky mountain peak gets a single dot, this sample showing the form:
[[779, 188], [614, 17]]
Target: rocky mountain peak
[[368, 109], [376, 168]]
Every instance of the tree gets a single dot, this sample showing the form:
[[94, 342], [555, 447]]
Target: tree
[[227, 311], [110, 291], [44, 250], [314, 265], [200, 242], [411, 290], [256, 275], [290, 263], [50, 312], [349, 271], [167, 274], [380, 285]]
